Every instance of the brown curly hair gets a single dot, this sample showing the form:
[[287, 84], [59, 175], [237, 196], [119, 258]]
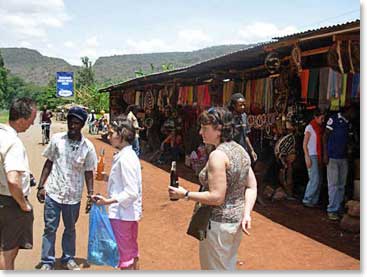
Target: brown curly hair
[[221, 119]]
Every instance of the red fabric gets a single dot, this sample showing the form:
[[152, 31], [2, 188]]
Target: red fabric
[[319, 133], [305, 75], [203, 96]]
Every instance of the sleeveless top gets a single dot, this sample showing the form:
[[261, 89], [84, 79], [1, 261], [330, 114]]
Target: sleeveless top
[[232, 210]]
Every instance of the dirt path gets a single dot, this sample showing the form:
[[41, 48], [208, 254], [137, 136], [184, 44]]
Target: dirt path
[[284, 235]]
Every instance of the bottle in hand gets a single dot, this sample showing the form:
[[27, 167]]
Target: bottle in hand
[[173, 178], [100, 166]]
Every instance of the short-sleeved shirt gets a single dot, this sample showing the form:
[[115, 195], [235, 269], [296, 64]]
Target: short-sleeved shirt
[[312, 143], [337, 143], [13, 157], [134, 121], [241, 129], [70, 161]]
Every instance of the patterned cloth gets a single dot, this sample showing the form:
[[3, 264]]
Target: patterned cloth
[[231, 211], [70, 160]]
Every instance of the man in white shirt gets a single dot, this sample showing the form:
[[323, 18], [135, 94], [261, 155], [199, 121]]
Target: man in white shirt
[[15, 184], [71, 158]]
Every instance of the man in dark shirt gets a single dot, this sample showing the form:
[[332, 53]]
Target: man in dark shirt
[[336, 139]]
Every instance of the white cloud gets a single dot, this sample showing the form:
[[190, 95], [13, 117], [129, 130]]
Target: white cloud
[[26, 44], [92, 42], [32, 18], [148, 46], [261, 31], [69, 44]]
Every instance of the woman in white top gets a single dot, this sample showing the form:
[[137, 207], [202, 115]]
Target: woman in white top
[[124, 193], [312, 147]]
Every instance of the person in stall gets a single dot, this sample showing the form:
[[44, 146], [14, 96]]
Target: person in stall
[[171, 148]]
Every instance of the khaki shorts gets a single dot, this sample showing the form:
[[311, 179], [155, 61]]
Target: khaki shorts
[[219, 250], [16, 226]]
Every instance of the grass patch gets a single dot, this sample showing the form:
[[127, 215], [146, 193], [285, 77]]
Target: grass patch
[[4, 116]]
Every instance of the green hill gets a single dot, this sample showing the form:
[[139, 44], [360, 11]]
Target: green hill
[[33, 67]]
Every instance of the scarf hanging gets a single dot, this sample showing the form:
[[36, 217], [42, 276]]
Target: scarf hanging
[[319, 134], [305, 74]]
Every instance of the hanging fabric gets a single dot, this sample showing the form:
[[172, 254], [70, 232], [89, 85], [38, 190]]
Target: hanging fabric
[[356, 86], [227, 91], [137, 97], [304, 76], [312, 90], [190, 95], [248, 94], [324, 87]]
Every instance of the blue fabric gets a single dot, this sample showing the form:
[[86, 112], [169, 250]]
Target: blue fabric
[[136, 146], [355, 85], [70, 215], [102, 246], [312, 192], [337, 172], [338, 138]]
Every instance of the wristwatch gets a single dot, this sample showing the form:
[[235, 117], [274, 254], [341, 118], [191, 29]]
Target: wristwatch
[[187, 195]]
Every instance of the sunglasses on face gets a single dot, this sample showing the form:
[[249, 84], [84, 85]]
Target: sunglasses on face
[[214, 113]]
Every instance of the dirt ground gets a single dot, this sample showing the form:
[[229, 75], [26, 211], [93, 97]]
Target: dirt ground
[[284, 236]]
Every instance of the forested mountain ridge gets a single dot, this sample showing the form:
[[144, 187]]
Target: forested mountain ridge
[[33, 67]]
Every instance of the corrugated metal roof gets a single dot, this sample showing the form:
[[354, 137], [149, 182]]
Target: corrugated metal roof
[[246, 56], [319, 30]]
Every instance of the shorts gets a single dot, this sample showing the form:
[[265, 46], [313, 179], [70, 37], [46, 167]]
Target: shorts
[[126, 235], [219, 250], [16, 226]]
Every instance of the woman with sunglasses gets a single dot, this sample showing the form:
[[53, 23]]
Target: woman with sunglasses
[[230, 187]]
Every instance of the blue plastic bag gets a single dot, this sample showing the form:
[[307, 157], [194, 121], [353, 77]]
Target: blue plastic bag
[[102, 246]]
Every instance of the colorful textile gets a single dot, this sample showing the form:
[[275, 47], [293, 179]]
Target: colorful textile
[[227, 91], [190, 95], [319, 133], [204, 99], [312, 92], [323, 87], [304, 76], [356, 86]]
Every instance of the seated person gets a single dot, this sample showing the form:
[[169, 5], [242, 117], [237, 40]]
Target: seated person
[[105, 129], [171, 148]]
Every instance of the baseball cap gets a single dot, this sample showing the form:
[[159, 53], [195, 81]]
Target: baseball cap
[[79, 113]]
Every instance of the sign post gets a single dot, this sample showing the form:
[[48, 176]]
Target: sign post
[[64, 84]]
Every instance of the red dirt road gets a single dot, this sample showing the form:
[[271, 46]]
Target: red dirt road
[[284, 236]]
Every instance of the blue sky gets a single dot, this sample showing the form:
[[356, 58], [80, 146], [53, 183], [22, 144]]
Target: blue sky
[[71, 29]]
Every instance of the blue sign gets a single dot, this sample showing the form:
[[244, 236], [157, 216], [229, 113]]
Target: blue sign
[[64, 84]]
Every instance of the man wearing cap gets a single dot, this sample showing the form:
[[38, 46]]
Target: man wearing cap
[[71, 158]]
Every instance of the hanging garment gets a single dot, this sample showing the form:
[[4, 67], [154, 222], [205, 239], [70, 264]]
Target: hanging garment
[[248, 93], [349, 89], [227, 91], [190, 95], [323, 87], [312, 83], [207, 99], [305, 74], [137, 97], [343, 95], [356, 86], [335, 84]]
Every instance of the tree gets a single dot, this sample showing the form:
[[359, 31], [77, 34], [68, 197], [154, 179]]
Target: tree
[[85, 76], [3, 81]]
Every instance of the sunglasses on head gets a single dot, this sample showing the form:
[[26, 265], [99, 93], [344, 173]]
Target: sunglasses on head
[[213, 111]]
